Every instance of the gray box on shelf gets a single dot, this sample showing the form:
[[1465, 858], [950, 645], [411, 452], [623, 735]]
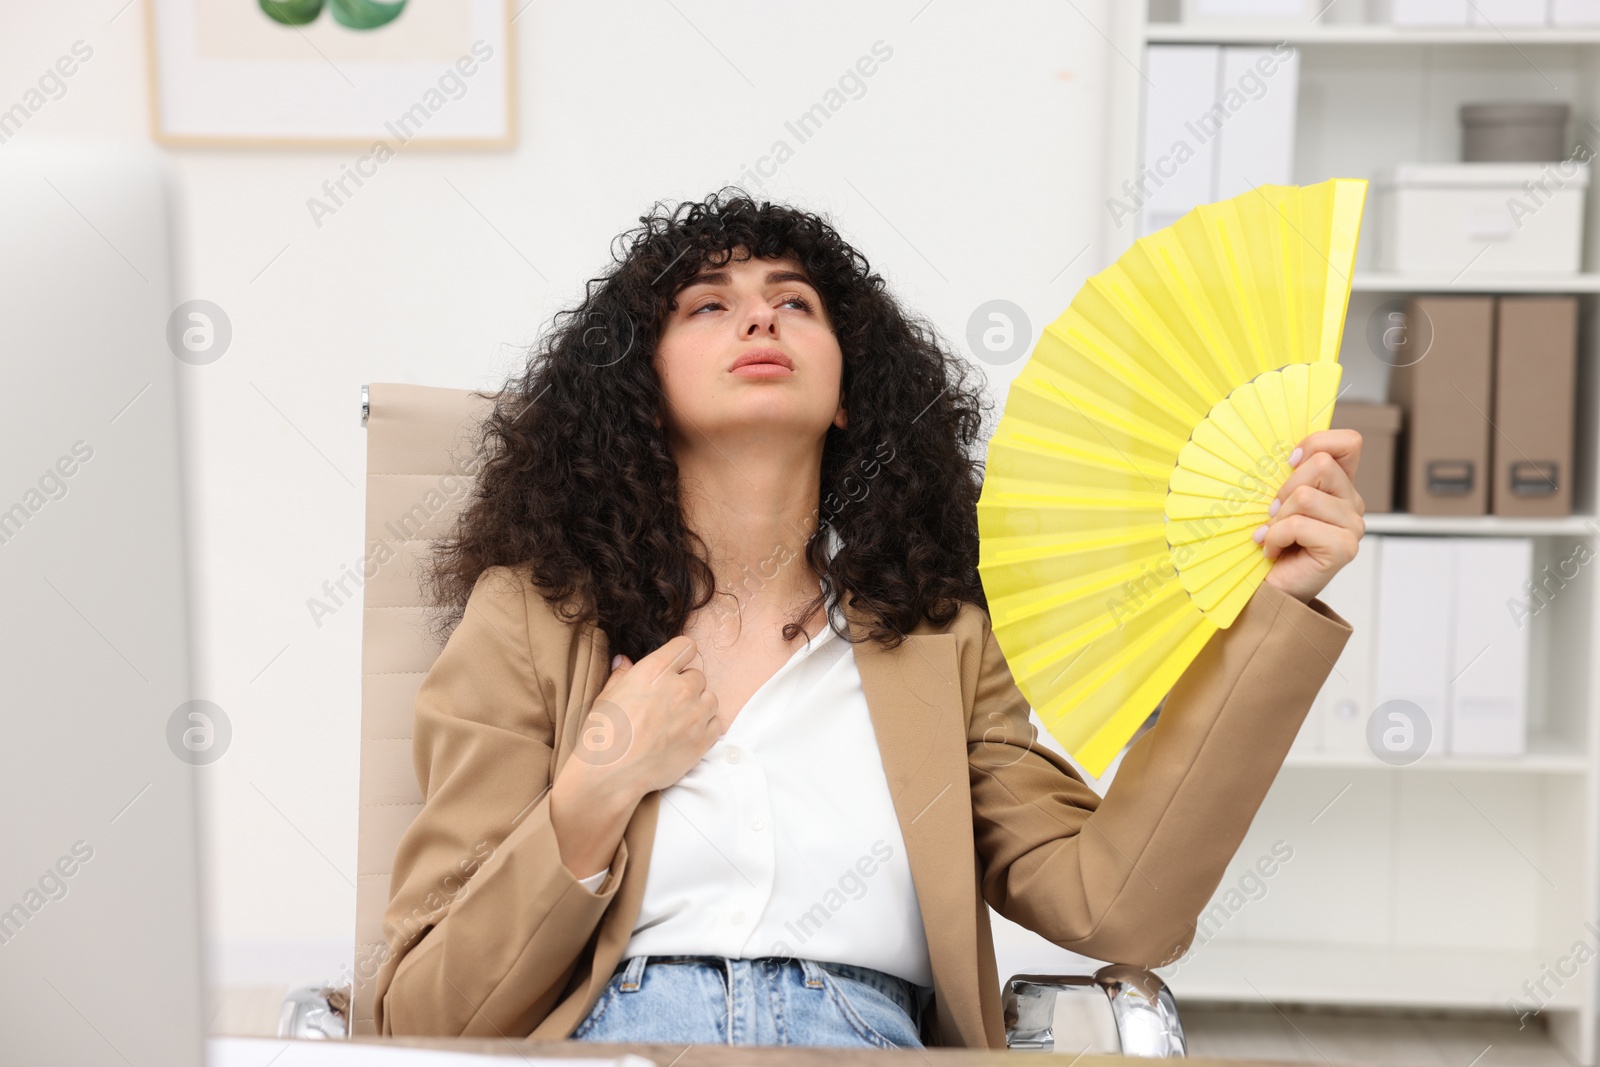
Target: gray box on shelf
[[1513, 132], [1535, 382], [1444, 398]]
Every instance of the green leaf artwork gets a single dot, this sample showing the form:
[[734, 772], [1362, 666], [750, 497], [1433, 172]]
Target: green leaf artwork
[[356, 14]]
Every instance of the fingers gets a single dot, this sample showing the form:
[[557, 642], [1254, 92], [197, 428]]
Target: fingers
[[1342, 445], [683, 653], [696, 679], [1316, 503], [713, 720], [1327, 472], [1328, 543]]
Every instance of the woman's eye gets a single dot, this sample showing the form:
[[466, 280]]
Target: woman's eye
[[805, 304]]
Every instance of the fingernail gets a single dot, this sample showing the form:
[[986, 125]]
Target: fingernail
[[1260, 535], [1272, 508], [616, 661], [1294, 457]]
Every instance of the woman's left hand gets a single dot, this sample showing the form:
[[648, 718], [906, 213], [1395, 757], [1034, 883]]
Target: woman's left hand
[[1319, 523]]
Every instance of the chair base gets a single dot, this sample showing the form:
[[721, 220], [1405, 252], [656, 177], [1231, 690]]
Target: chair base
[[318, 1012], [1117, 1010]]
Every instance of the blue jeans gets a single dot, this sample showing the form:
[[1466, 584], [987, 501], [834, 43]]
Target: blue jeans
[[775, 1000]]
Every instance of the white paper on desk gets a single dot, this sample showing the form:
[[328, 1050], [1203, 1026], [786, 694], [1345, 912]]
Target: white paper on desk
[[284, 1052]]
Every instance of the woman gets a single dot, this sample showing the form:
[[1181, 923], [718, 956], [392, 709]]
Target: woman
[[723, 549]]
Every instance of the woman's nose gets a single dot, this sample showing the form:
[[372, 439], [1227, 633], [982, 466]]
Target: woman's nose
[[762, 318]]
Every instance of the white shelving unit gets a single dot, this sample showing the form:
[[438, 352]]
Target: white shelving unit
[[1483, 525], [1449, 883], [1381, 282], [1345, 33]]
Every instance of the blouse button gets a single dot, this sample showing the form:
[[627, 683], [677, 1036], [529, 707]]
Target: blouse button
[[757, 824], [733, 755], [738, 917]]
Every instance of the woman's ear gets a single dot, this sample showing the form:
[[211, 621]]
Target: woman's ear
[[841, 417]]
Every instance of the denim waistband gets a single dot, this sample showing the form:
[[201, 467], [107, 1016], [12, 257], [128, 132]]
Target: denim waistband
[[911, 997]]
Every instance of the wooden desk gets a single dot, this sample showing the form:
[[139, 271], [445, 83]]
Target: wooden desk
[[782, 1055]]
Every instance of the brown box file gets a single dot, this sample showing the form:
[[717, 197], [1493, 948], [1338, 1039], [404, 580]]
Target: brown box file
[[1378, 425], [1535, 378], [1444, 402]]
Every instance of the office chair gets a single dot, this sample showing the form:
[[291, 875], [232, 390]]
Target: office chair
[[420, 441]]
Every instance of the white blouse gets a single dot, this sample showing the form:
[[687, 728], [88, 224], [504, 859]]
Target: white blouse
[[783, 840]]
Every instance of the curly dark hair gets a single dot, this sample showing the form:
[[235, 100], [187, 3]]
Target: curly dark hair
[[577, 485]]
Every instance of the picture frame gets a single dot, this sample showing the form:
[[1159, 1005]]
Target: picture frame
[[223, 74]]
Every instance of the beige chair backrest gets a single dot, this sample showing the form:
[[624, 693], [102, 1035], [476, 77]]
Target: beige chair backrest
[[420, 441]]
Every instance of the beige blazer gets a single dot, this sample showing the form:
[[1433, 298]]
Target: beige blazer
[[490, 934]]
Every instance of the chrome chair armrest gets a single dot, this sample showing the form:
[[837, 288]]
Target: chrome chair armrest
[[1118, 1009], [315, 1012]]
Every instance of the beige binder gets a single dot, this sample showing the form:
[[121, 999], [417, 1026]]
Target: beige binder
[[1535, 380], [1444, 398]]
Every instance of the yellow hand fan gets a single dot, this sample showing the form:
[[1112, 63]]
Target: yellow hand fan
[[1141, 444]]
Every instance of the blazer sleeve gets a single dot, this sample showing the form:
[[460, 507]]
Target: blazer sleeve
[[485, 923], [1124, 878]]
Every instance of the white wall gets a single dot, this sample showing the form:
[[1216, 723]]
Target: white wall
[[969, 170]]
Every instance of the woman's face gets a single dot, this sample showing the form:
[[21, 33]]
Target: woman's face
[[750, 307]]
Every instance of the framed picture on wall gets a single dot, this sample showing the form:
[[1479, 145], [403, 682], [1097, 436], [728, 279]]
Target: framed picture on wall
[[332, 73]]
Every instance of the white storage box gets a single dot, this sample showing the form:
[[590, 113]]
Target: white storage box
[[1264, 10], [1519, 13], [1419, 12], [1496, 218], [1575, 12]]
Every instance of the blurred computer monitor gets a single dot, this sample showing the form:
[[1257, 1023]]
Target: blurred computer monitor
[[100, 957]]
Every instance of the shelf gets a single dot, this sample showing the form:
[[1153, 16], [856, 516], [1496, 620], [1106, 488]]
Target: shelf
[[1246, 32], [1399, 522], [1544, 756], [1309, 973], [1402, 862], [1382, 282]]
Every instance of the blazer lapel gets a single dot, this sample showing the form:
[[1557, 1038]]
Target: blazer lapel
[[590, 656], [913, 695], [616, 926]]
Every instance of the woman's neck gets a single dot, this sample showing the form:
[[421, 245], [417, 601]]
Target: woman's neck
[[755, 514]]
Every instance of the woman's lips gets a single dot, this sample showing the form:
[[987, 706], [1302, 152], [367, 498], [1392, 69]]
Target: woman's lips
[[762, 370]]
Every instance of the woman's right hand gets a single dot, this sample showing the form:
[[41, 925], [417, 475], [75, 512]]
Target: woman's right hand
[[654, 719]]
